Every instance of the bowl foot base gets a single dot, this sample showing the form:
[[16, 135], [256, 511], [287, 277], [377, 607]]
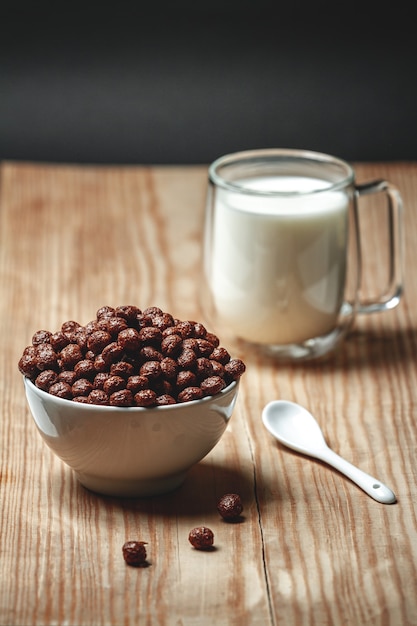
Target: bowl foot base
[[131, 488]]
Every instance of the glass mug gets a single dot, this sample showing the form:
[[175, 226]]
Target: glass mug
[[282, 253]]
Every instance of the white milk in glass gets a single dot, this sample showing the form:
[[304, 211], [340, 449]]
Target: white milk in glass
[[278, 263]]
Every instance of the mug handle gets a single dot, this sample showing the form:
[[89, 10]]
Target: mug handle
[[390, 297]]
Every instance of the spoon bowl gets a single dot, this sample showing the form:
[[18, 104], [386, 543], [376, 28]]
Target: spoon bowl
[[293, 426]]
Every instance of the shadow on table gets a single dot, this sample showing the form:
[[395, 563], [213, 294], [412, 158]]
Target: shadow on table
[[205, 483], [377, 348], [362, 349]]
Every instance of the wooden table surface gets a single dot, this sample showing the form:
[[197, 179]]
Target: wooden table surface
[[313, 548]]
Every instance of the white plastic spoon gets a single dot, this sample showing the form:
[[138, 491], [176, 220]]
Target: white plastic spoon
[[296, 428]]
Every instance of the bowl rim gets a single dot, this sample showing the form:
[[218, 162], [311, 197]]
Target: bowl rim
[[127, 409]]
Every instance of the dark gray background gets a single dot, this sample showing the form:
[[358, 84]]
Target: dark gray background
[[185, 82]]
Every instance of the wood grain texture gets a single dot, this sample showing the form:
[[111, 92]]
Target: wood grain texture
[[312, 549]]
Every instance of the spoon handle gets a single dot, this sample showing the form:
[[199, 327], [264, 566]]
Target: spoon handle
[[373, 487]]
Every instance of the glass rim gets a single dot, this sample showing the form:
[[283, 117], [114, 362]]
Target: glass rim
[[268, 154]]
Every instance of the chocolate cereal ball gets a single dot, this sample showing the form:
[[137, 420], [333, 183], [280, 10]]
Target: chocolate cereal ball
[[130, 357], [230, 506], [201, 538], [134, 553]]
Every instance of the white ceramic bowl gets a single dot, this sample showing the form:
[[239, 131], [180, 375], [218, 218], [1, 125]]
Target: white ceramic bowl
[[131, 452]]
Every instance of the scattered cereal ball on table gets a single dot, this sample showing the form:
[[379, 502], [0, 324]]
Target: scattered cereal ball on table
[[134, 553], [201, 538], [230, 506], [128, 357]]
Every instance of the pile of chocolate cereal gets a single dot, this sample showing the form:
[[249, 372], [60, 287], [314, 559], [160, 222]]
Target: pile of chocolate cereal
[[129, 357]]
